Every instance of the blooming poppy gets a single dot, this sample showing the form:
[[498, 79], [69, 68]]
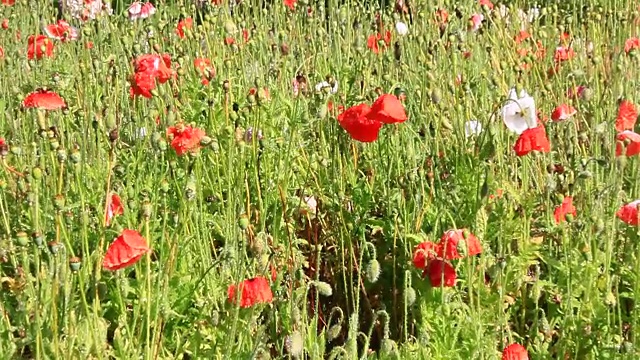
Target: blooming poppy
[[39, 46], [423, 253], [627, 116], [515, 352], [185, 138], [564, 209], [522, 36], [205, 69], [563, 53], [355, 121], [8, 2], [563, 112], [454, 244], [387, 109], [85, 10], [252, 292], [5, 23], [373, 42], [628, 143], [114, 207], [486, 3], [125, 250], [148, 69], [138, 10], [519, 112], [532, 140], [631, 44], [182, 25], [441, 273], [43, 99], [291, 4], [61, 31], [629, 213], [475, 22]]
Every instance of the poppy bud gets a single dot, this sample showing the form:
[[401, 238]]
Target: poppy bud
[[22, 239], [59, 202], [62, 155], [372, 271], [436, 96], [294, 344], [38, 239], [409, 296], [146, 210], [74, 264], [53, 144], [323, 288], [333, 332], [243, 222], [113, 135], [621, 162], [610, 299], [75, 156], [54, 247]]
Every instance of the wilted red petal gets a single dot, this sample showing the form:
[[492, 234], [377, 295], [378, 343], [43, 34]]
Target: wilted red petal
[[125, 250], [387, 109], [113, 208], [43, 99], [423, 253]]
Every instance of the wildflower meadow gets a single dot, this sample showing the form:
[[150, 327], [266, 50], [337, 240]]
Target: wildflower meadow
[[305, 179]]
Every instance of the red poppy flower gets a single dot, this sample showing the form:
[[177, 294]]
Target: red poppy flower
[[89, 45], [628, 143], [182, 25], [564, 209], [629, 213], [8, 2], [515, 352], [148, 69], [423, 253], [387, 109], [563, 54], [441, 273], [142, 84], [113, 208], [185, 138], [5, 24], [534, 139], [39, 46], [373, 42], [125, 250], [522, 36], [252, 291], [486, 3], [43, 99], [563, 112], [631, 44], [455, 245], [61, 31], [442, 16], [355, 121], [627, 116], [204, 68], [291, 4]]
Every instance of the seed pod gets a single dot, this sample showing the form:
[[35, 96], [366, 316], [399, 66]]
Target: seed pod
[[74, 264], [409, 296], [22, 239], [323, 288]]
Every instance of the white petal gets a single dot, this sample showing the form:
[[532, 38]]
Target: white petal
[[472, 127], [402, 28]]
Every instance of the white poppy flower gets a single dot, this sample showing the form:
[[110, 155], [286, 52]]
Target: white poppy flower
[[519, 113], [402, 28], [472, 127], [324, 84]]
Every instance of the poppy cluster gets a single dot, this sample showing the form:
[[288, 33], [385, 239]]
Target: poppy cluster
[[149, 68], [435, 259], [363, 122]]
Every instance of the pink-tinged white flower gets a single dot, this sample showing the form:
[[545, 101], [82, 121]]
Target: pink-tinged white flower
[[519, 112], [86, 10], [138, 10], [61, 31], [310, 205], [563, 112], [324, 84], [401, 28], [476, 21], [472, 128]]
